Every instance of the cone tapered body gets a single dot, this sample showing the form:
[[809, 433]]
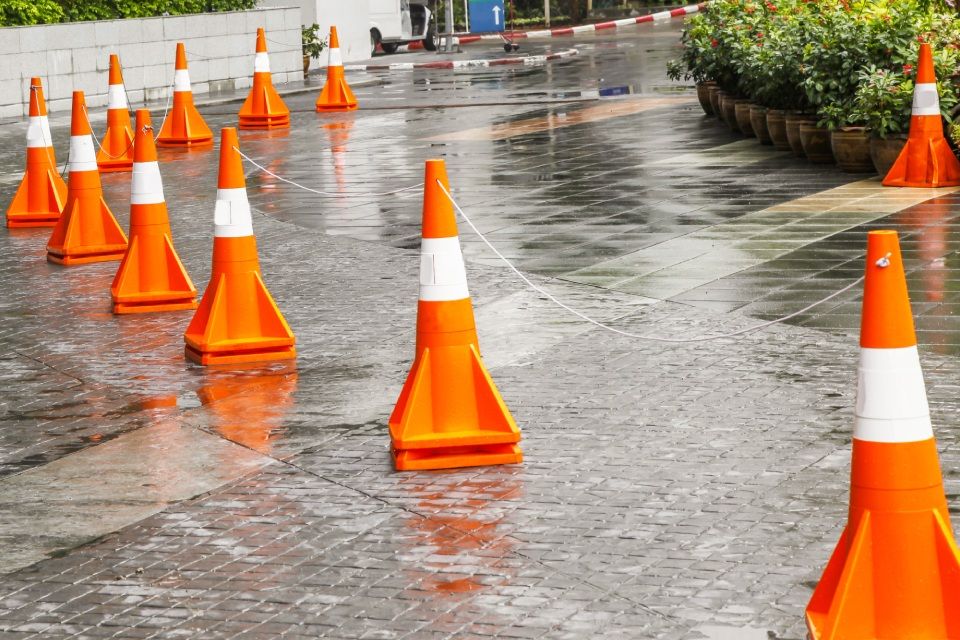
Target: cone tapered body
[[184, 126], [926, 160], [116, 153], [450, 413], [237, 320], [151, 276], [336, 94], [86, 231], [264, 108], [896, 570], [42, 193]]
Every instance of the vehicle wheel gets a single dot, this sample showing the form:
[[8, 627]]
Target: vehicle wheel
[[507, 47], [374, 41], [389, 47], [431, 41]]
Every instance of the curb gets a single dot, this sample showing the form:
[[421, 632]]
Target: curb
[[463, 64]]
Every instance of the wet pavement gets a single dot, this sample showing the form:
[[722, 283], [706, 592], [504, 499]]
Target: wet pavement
[[668, 491]]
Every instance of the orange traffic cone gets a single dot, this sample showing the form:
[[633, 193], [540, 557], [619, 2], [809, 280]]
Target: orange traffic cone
[[184, 126], [896, 570], [336, 94], [151, 276], [116, 151], [449, 413], [237, 320], [263, 109], [42, 192], [926, 160], [87, 231]]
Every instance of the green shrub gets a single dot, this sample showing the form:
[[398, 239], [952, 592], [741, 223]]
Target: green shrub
[[21, 12]]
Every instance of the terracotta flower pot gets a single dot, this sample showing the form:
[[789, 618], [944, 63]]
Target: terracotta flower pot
[[728, 106], [306, 64], [777, 128], [792, 123], [851, 148], [742, 110], [816, 143], [703, 95], [885, 151], [715, 94], [758, 120]]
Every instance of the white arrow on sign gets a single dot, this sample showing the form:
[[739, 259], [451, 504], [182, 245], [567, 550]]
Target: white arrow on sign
[[496, 15]]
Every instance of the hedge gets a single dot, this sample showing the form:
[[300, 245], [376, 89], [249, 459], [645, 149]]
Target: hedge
[[23, 12]]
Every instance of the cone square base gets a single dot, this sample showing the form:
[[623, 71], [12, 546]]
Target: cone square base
[[456, 457], [106, 255], [194, 142], [34, 220], [336, 107], [278, 123], [115, 167], [150, 306], [239, 357]]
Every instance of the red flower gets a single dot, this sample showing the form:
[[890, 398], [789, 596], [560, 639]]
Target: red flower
[[714, 43], [907, 69]]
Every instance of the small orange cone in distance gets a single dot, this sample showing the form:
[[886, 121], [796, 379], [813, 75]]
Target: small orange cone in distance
[[449, 413], [264, 108], [237, 320], [896, 571], [151, 276], [184, 126], [926, 160], [116, 152], [42, 193], [87, 231], [336, 94]]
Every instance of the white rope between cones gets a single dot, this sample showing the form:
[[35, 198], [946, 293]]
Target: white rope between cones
[[882, 262]]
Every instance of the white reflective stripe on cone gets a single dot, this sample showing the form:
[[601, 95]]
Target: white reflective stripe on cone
[[82, 155], [335, 60], [926, 102], [443, 276], [181, 80], [261, 63], [146, 187], [891, 397], [38, 132], [231, 214], [116, 97]]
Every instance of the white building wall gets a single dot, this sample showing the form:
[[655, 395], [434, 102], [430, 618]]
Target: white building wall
[[351, 17]]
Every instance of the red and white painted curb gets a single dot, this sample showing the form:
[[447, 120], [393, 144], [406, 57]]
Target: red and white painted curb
[[465, 64]]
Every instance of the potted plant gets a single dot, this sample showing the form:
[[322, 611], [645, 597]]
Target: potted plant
[[311, 43], [883, 101]]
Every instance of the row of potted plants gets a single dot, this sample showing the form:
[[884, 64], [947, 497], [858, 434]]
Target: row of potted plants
[[831, 80]]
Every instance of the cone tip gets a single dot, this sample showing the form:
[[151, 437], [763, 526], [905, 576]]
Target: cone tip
[[887, 319], [144, 148], [79, 125], [438, 218], [231, 166], [181, 59], [261, 40]]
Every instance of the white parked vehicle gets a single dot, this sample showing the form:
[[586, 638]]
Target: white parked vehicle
[[396, 22]]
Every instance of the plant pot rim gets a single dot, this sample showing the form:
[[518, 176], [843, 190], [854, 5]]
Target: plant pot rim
[[851, 129]]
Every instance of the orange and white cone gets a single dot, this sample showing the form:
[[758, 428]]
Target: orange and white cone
[[336, 94], [87, 231], [926, 160], [184, 126], [237, 320], [151, 276], [42, 193], [896, 570], [264, 108], [449, 413], [116, 152]]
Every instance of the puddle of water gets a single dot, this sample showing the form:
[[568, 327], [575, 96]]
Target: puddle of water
[[734, 633]]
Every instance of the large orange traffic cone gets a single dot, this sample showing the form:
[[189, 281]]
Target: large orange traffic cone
[[237, 320], [184, 126], [449, 413], [896, 570], [87, 231], [336, 94], [926, 160], [42, 192], [151, 276], [116, 152], [264, 108]]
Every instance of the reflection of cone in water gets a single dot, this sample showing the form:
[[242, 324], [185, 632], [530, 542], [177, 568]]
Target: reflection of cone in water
[[449, 413], [237, 320], [339, 135], [116, 153], [926, 160], [42, 192], [184, 126], [336, 94], [896, 571], [151, 276], [250, 409], [87, 231], [264, 108]]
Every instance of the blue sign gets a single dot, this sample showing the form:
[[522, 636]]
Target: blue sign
[[487, 16]]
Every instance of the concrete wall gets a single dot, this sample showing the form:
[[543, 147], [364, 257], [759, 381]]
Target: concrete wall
[[351, 17], [76, 56]]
